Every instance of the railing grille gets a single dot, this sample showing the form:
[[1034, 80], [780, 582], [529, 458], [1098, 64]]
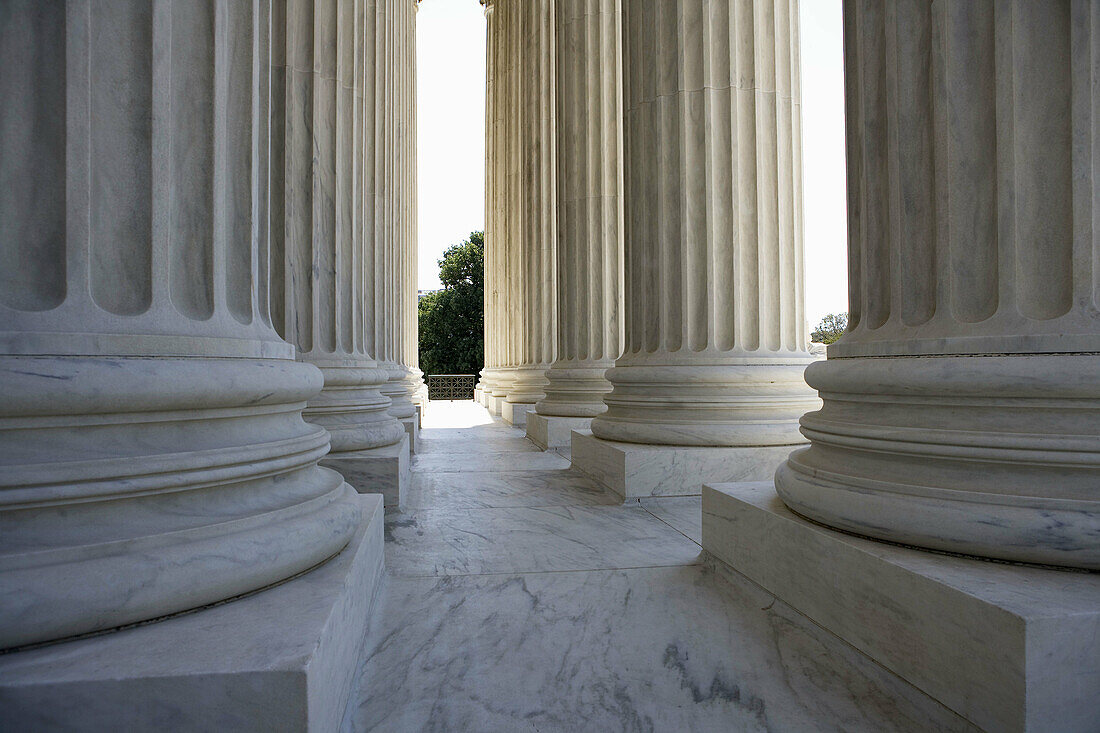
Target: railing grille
[[451, 386]]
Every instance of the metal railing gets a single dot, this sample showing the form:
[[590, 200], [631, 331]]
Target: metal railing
[[451, 386]]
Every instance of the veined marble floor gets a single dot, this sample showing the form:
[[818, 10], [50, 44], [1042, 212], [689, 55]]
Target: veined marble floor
[[522, 597]]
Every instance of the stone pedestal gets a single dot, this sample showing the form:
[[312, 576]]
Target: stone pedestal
[[1008, 647], [282, 659], [412, 432], [382, 471], [515, 413], [633, 470], [551, 431]]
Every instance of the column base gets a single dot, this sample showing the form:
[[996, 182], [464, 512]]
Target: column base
[[383, 470], [494, 405], [554, 431], [412, 428], [419, 416], [1008, 647], [515, 413], [634, 470], [281, 659]]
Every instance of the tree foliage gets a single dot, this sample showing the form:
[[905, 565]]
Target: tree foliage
[[451, 320], [830, 329]]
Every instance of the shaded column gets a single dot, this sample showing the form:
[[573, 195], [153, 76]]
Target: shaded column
[[589, 216], [325, 246], [153, 456], [960, 409], [533, 211]]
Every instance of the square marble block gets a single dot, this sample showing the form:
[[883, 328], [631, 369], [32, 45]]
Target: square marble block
[[1008, 647], [282, 659], [634, 470], [419, 416], [515, 413], [552, 431], [382, 470], [412, 427], [493, 404]]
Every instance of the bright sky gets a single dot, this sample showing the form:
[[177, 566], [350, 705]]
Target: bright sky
[[451, 112]]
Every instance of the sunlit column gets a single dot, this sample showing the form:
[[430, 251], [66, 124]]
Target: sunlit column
[[589, 206], [134, 487], [533, 243], [961, 408]]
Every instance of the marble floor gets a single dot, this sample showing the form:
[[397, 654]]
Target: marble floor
[[522, 597]]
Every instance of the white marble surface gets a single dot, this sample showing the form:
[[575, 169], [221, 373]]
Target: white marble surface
[[466, 462], [506, 489], [384, 470], [1011, 647], [568, 616], [554, 431], [661, 649], [682, 513], [449, 541], [282, 659], [634, 470]]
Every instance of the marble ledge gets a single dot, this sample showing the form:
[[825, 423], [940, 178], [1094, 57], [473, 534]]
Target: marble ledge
[[554, 431], [634, 470], [412, 428], [384, 470], [1008, 647], [515, 413], [282, 659]]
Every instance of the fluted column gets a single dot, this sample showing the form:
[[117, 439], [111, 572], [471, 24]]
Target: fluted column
[[589, 206], [392, 237], [534, 211], [961, 408], [153, 456], [492, 134], [327, 245], [714, 320], [414, 382], [502, 279]]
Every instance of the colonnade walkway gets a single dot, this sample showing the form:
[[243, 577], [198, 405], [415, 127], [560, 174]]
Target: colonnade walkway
[[522, 597]]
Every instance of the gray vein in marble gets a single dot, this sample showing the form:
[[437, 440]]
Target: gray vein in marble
[[672, 649]]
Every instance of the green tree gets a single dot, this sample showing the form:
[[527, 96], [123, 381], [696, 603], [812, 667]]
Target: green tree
[[830, 329], [451, 320]]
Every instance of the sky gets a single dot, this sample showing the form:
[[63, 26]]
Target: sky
[[451, 141]]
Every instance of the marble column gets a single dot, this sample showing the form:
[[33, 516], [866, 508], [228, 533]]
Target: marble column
[[710, 381], [961, 408], [153, 455], [391, 234], [484, 388], [327, 245], [534, 210], [589, 218], [501, 280]]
